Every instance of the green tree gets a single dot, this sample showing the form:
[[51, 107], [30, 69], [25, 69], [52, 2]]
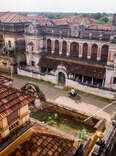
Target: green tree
[[104, 19], [60, 16], [97, 15]]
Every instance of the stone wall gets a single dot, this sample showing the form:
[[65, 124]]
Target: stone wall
[[96, 122], [46, 77]]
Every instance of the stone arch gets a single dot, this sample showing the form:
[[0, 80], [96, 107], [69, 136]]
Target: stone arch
[[64, 48], [85, 51], [94, 51], [104, 53], [74, 49], [49, 46], [33, 90], [56, 47]]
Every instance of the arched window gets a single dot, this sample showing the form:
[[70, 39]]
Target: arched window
[[104, 53], [94, 52], [85, 50], [49, 48], [64, 45], [56, 47], [74, 49]]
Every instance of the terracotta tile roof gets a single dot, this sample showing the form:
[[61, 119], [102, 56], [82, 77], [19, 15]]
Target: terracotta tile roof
[[73, 20], [44, 142], [100, 27], [61, 21], [4, 79], [3, 13], [11, 100], [13, 18], [40, 20]]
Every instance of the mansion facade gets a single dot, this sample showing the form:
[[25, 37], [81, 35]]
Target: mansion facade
[[87, 58]]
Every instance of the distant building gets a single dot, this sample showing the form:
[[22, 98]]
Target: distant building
[[12, 43], [86, 57]]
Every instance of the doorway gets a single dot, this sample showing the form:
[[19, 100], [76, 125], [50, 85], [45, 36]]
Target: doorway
[[61, 78]]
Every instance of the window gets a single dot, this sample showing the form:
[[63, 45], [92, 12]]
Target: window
[[114, 80], [32, 48], [74, 28], [33, 63], [13, 126], [9, 44], [12, 117]]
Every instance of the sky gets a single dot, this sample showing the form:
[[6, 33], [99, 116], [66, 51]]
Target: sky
[[90, 6]]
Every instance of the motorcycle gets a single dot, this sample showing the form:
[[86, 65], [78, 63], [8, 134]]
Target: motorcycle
[[74, 96]]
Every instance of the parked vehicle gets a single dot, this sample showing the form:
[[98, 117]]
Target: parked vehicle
[[74, 95]]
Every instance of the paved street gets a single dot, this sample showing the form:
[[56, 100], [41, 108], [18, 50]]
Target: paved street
[[60, 97]]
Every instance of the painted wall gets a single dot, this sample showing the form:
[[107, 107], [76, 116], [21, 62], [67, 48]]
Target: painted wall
[[109, 78], [50, 78]]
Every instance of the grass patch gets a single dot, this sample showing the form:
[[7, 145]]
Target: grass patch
[[82, 93], [96, 97], [65, 124], [99, 22], [28, 78]]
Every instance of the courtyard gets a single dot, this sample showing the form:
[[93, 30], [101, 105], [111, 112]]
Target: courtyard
[[89, 104]]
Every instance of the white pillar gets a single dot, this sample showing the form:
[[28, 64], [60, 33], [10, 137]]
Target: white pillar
[[53, 46], [103, 83], [99, 53], [68, 49], [80, 50], [92, 81], [60, 47], [89, 51], [82, 78]]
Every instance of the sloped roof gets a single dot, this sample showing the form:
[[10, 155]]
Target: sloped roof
[[4, 79], [43, 141], [3, 13], [12, 99], [14, 18], [40, 20], [100, 27], [73, 20]]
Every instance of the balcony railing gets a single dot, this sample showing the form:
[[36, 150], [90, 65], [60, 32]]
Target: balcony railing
[[89, 61]]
